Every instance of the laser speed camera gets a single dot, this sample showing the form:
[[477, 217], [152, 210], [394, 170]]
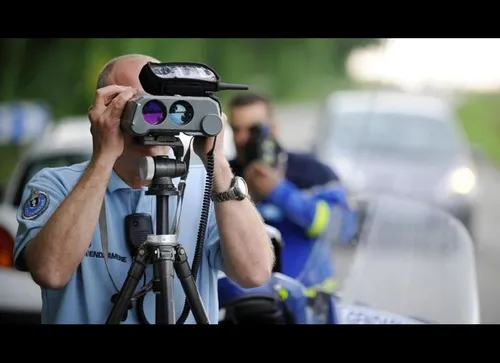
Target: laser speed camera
[[179, 98]]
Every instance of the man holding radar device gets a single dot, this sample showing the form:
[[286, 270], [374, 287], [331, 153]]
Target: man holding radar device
[[86, 228]]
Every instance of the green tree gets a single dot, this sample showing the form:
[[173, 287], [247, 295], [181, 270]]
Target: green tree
[[63, 72]]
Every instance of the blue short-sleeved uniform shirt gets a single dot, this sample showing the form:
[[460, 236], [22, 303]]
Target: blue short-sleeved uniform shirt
[[86, 299]]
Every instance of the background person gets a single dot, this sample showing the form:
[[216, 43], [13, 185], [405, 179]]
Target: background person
[[296, 200]]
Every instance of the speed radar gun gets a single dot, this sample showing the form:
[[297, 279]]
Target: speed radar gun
[[180, 99]]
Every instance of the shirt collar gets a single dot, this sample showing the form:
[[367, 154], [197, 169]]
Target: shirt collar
[[116, 183]]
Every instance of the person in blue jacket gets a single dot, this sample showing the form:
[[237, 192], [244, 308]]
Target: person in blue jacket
[[297, 198]]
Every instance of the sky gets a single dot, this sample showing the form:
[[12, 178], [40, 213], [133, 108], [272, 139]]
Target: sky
[[468, 64]]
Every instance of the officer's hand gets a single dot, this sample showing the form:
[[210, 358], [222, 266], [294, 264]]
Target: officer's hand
[[203, 145], [104, 116], [261, 179]]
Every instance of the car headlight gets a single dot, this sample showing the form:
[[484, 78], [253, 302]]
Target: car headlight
[[462, 181]]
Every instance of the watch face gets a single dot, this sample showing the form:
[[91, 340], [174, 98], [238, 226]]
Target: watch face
[[240, 187]]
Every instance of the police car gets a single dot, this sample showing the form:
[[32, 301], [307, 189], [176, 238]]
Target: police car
[[64, 143]]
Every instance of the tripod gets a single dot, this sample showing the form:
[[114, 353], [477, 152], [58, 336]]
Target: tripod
[[163, 250]]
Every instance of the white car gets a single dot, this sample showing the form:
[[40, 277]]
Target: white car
[[66, 142], [403, 144]]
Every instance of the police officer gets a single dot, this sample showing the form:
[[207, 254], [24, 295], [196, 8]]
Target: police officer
[[297, 200], [59, 240]]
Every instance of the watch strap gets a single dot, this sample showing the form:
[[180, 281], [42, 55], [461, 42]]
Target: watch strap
[[224, 196], [230, 194]]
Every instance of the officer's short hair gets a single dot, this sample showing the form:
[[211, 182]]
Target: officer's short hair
[[103, 77], [243, 99]]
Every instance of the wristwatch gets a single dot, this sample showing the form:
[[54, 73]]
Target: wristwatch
[[237, 191]]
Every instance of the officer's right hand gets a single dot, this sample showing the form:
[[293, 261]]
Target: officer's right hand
[[104, 116]]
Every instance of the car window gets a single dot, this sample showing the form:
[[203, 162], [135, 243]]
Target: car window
[[46, 162], [379, 132]]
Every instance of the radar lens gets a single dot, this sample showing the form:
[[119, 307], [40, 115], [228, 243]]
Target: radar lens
[[154, 112], [181, 113]]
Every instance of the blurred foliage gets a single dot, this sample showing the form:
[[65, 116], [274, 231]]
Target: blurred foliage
[[480, 115], [63, 72]]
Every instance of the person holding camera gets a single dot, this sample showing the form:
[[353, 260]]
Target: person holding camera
[[294, 192], [59, 241]]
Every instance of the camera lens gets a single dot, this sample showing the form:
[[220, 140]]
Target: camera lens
[[154, 112], [181, 113]]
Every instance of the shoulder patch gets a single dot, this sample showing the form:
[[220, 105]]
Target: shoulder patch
[[36, 204]]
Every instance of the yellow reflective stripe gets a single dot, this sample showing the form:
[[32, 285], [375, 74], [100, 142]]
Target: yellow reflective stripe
[[328, 286], [321, 218], [283, 293]]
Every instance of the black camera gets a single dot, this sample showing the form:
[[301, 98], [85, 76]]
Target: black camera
[[180, 99], [262, 146]]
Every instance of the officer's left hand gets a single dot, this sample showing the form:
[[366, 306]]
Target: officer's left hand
[[261, 179], [203, 145]]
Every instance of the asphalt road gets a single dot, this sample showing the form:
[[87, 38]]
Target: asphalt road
[[296, 125]]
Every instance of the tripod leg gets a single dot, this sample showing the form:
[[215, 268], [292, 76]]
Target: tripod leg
[[127, 291], [188, 282], [163, 284]]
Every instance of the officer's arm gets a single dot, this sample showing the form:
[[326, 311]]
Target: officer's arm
[[215, 257], [52, 240], [245, 254], [311, 212]]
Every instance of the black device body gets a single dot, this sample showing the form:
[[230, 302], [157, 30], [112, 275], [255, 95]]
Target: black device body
[[137, 228], [262, 146], [178, 98], [162, 249]]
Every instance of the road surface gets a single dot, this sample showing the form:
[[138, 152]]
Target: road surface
[[296, 124]]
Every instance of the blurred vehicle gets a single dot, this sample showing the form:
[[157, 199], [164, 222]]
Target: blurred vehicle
[[64, 143], [403, 144], [23, 122], [307, 299], [414, 264]]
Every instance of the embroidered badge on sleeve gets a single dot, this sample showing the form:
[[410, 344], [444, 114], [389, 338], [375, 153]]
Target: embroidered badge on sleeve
[[36, 204]]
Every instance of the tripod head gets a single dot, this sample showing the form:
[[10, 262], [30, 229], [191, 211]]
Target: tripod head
[[160, 170]]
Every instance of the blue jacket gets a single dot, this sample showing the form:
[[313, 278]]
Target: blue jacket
[[299, 207]]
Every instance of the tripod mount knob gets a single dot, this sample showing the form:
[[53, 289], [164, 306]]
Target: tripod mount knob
[[147, 168]]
